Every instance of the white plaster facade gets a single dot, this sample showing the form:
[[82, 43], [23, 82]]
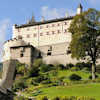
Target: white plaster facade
[[43, 36]]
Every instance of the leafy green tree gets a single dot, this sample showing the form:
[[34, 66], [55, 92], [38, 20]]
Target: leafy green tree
[[85, 44]]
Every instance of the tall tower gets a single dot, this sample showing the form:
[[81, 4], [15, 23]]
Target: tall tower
[[79, 9]]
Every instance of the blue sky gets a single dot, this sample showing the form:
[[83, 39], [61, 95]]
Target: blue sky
[[19, 11]]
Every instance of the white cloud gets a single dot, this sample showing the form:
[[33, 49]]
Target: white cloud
[[4, 24], [50, 13]]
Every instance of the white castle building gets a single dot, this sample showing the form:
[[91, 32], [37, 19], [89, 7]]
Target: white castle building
[[46, 39]]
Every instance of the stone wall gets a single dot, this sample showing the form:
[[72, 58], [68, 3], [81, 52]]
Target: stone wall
[[7, 80], [24, 54], [59, 54]]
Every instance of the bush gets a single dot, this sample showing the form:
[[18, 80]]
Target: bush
[[37, 62], [19, 85], [81, 65], [33, 72], [20, 68], [90, 77], [56, 98], [85, 69], [60, 66], [74, 77], [42, 98], [66, 98], [75, 69], [20, 98], [70, 65], [45, 68], [54, 73]]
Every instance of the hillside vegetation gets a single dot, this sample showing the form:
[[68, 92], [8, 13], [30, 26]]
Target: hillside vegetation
[[56, 80]]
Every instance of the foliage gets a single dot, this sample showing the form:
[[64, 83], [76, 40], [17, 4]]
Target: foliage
[[70, 65], [86, 70], [44, 98], [45, 68], [19, 85], [56, 98], [20, 98], [81, 65], [66, 98], [20, 68], [60, 66], [75, 69], [90, 77], [33, 71], [74, 77], [37, 62], [85, 44]]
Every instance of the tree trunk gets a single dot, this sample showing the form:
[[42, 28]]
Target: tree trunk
[[93, 71]]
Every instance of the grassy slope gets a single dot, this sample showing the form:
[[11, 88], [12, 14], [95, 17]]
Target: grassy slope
[[92, 90]]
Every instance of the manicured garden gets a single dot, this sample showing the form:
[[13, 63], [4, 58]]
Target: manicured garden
[[56, 80]]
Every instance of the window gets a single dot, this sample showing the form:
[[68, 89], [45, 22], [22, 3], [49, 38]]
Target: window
[[18, 30], [27, 29], [28, 36], [49, 54], [47, 33], [39, 56], [58, 24], [53, 25], [49, 51], [47, 26], [41, 34], [34, 35], [65, 30], [21, 55], [50, 48], [58, 31], [53, 32], [41, 27], [68, 51], [65, 23]]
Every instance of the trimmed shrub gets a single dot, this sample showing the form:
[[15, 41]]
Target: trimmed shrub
[[45, 68], [57, 98], [45, 98], [54, 73], [90, 77], [74, 77], [20, 98], [37, 62], [70, 65], [33, 72], [75, 69], [42, 98], [61, 66], [19, 85], [85, 69], [66, 98], [81, 65], [20, 68]]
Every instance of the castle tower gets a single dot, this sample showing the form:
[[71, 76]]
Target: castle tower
[[79, 9]]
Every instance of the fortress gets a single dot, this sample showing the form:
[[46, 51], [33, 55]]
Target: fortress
[[48, 40]]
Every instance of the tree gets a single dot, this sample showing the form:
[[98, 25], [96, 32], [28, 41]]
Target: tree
[[85, 44]]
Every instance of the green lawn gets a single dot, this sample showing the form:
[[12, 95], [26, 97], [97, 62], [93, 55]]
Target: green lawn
[[91, 90]]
